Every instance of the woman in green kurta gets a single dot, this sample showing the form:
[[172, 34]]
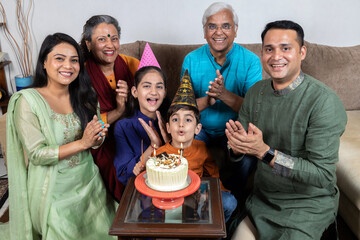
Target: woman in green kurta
[[58, 193]]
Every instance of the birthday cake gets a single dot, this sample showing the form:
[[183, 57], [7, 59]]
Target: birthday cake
[[167, 172]]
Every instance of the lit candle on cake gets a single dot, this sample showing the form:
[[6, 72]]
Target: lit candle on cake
[[181, 152], [154, 147], [181, 149], [178, 162]]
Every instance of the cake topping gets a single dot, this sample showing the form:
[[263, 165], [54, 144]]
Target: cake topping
[[165, 160]]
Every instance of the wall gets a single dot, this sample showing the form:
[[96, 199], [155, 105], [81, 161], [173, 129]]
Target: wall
[[329, 22]]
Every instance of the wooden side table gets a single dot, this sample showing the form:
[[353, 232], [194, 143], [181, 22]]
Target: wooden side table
[[201, 215]]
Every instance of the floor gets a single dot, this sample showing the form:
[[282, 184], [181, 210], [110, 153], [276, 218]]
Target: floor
[[344, 231]]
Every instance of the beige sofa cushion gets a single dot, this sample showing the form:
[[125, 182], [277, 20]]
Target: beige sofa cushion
[[348, 172], [348, 167]]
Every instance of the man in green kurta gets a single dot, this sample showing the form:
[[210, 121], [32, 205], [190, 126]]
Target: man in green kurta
[[292, 124]]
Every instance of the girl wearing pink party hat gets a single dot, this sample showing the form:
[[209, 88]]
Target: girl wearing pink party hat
[[146, 98]]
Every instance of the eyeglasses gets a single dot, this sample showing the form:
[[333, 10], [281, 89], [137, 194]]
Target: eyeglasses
[[212, 27]]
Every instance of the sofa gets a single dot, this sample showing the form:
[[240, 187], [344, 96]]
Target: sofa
[[337, 67]]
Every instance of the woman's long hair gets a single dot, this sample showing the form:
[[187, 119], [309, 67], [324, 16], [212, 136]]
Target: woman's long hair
[[133, 103], [82, 97]]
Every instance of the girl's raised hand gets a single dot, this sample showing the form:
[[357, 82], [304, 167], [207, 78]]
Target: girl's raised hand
[[151, 132], [162, 127]]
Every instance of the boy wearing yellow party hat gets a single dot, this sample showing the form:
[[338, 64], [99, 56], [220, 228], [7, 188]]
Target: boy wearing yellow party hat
[[183, 123]]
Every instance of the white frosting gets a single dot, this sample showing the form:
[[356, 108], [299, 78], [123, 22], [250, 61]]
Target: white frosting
[[167, 174]]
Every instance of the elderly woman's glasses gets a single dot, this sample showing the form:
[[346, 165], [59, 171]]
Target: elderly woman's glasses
[[213, 27]]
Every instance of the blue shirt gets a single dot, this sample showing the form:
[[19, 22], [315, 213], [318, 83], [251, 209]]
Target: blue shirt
[[128, 134], [241, 70]]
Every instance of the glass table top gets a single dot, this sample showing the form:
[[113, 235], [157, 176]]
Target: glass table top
[[195, 209]]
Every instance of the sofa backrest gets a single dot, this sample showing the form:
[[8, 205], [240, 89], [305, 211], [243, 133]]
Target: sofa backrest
[[337, 67], [169, 56]]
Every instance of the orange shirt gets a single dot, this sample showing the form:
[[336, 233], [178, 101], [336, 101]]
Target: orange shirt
[[131, 62]]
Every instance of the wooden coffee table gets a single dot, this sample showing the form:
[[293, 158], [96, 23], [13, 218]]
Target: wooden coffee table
[[200, 216]]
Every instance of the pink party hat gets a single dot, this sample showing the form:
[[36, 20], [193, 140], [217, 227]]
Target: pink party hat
[[148, 58]]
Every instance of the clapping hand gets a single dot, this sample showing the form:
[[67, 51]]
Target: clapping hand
[[122, 90], [217, 87], [240, 141], [94, 133], [151, 132], [162, 127], [211, 101]]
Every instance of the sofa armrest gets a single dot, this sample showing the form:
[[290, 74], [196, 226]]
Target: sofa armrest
[[347, 171]]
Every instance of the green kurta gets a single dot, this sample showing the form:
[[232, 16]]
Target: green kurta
[[51, 199], [298, 198]]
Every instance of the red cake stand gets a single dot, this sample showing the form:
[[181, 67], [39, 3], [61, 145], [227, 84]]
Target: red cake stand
[[168, 200]]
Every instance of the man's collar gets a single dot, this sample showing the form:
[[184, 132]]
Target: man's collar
[[294, 84], [227, 55]]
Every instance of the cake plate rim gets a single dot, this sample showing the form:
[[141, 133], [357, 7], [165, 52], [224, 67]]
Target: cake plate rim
[[168, 200]]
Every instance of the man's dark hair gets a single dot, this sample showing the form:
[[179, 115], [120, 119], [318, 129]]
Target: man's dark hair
[[174, 108], [285, 24]]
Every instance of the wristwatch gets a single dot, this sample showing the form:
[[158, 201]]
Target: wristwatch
[[268, 156]]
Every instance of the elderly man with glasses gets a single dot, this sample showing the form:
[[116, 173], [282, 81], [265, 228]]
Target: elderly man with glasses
[[222, 72]]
